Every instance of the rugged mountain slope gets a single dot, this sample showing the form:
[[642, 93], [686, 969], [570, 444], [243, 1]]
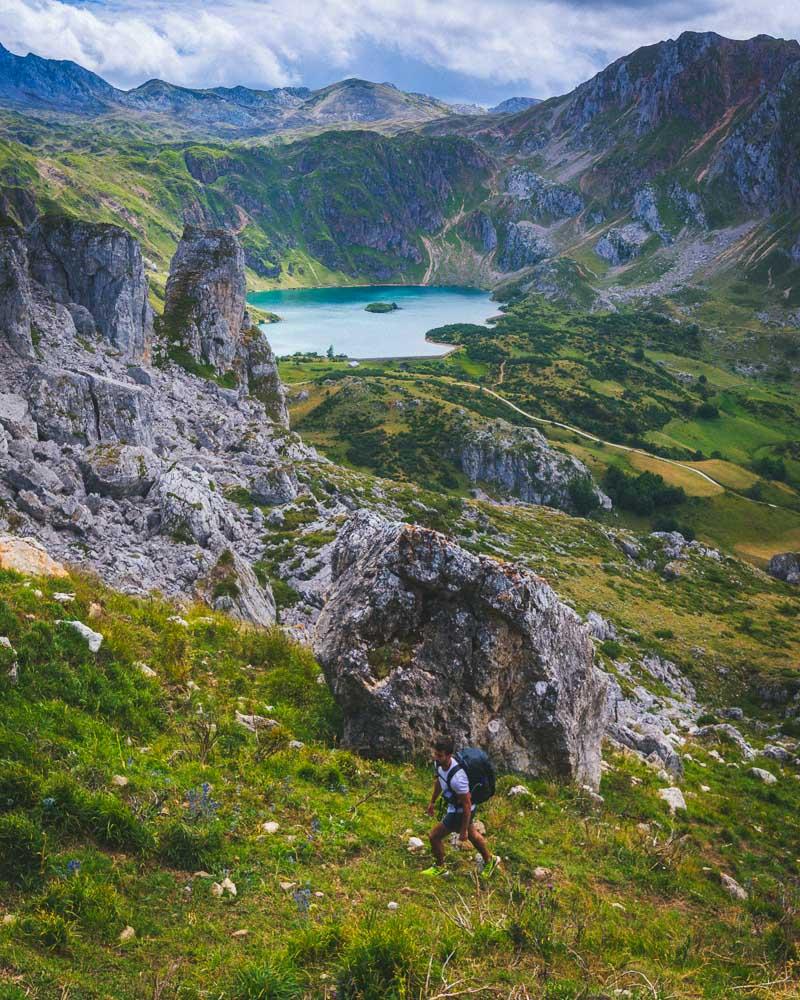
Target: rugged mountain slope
[[35, 85]]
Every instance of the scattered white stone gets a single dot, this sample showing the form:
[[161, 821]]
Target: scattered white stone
[[733, 886], [93, 639], [392, 906], [415, 844], [13, 673], [240, 933], [270, 826], [120, 781], [63, 598], [178, 620], [590, 793], [228, 886], [144, 670], [766, 776], [202, 874], [518, 790], [95, 610], [216, 889], [705, 788], [192, 686], [254, 722], [542, 874], [9, 918], [287, 886], [320, 679], [296, 745], [673, 797], [127, 934], [662, 775]]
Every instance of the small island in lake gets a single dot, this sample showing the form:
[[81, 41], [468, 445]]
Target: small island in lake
[[381, 307]]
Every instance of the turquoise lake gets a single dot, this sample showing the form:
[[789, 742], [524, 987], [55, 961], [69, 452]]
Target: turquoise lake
[[313, 319]]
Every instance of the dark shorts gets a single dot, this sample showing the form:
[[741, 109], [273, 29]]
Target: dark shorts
[[452, 820]]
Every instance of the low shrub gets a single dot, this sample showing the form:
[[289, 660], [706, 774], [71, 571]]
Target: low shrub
[[95, 906], [384, 962], [21, 847], [46, 930], [20, 788], [190, 847], [276, 980]]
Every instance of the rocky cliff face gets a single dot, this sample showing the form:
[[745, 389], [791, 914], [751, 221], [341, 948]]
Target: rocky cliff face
[[419, 637], [97, 272], [521, 462], [122, 467], [205, 315], [525, 244]]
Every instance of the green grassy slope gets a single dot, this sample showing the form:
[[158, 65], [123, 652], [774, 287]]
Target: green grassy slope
[[632, 898]]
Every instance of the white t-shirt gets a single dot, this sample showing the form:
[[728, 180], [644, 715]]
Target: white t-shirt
[[459, 784]]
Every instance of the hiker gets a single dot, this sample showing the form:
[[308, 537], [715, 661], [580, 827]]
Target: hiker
[[452, 782]]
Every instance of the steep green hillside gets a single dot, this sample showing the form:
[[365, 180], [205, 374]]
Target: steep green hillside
[[126, 795]]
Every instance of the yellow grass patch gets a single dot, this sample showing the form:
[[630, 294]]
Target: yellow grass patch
[[675, 475], [730, 475]]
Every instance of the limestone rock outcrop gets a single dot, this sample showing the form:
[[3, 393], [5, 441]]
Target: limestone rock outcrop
[[205, 315], [524, 244], [622, 244], [15, 292], [233, 587], [785, 566], [96, 270], [520, 461], [418, 637]]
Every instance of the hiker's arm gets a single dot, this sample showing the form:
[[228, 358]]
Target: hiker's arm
[[437, 791], [466, 804]]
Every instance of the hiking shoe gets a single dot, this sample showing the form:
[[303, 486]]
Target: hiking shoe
[[490, 868], [435, 871]]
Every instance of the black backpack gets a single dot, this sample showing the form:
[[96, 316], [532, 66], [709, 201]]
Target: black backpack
[[480, 773]]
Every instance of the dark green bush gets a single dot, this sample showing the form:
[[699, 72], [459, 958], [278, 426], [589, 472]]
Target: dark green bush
[[385, 962], [21, 847], [190, 847], [79, 899], [47, 930], [20, 788]]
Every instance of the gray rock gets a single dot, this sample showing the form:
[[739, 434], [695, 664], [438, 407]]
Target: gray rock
[[777, 753], [15, 417], [734, 713], [727, 733], [190, 508], [274, 486], [674, 798], [785, 566], [525, 244], [766, 776], [262, 375], [599, 627], [234, 588], [621, 244], [419, 637], [646, 742], [520, 460], [120, 470], [15, 293], [204, 306], [547, 199], [98, 267]]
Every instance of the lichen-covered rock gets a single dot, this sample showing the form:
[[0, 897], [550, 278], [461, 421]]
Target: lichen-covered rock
[[204, 307], [234, 588], [619, 245], [81, 408], [15, 416], [547, 199], [262, 375], [524, 244], [520, 461], [97, 267], [190, 508], [785, 566], [419, 637], [120, 470], [15, 292], [277, 486], [479, 228]]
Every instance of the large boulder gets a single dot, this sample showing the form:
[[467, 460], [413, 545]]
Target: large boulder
[[419, 637], [26, 555], [619, 245], [190, 508], [96, 270], [15, 293], [81, 408], [15, 417], [262, 376], [120, 470], [233, 587], [785, 566]]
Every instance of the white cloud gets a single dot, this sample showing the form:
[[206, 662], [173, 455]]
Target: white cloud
[[549, 45]]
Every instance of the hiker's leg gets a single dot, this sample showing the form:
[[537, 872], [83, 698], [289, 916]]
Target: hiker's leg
[[478, 843], [436, 836]]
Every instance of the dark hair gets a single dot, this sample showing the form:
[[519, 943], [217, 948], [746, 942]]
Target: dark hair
[[444, 744]]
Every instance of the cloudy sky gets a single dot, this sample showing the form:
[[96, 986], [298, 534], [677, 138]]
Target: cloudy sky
[[470, 50]]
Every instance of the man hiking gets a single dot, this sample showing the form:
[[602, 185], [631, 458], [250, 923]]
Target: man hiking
[[452, 783]]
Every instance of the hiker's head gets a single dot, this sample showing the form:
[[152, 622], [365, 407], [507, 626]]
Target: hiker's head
[[443, 749]]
